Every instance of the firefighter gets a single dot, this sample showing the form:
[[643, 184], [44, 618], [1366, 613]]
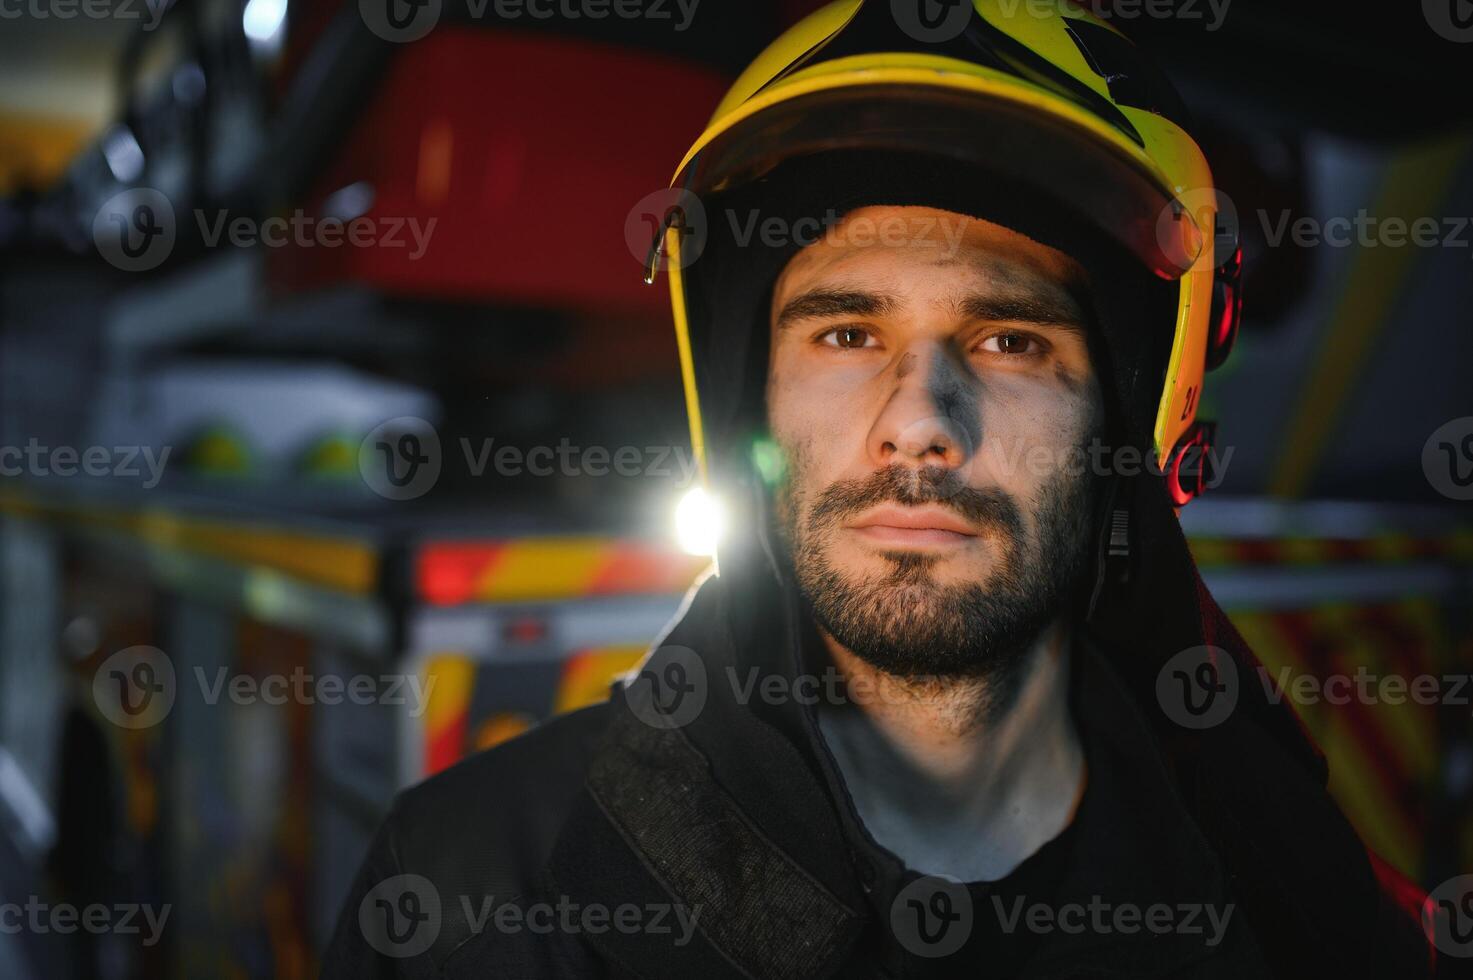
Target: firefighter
[[955, 700]]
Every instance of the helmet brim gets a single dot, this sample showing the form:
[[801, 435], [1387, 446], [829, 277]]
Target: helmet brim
[[1092, 175]]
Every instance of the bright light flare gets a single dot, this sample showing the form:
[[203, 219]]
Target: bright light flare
[[699, 522], [262, 21]]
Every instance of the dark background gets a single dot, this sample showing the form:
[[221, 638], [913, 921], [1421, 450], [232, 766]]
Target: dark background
[[263, 549]]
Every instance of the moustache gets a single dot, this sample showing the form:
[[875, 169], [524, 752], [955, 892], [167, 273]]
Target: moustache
[[984, 507]]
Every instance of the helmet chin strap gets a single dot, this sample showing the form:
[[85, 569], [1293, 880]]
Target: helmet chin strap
[[1112, 542]]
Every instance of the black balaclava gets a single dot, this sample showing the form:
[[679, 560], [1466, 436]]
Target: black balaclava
[[1144, 607], [729, 290]]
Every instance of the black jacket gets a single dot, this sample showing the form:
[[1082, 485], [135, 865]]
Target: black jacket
[[658, 810], [680, 795]]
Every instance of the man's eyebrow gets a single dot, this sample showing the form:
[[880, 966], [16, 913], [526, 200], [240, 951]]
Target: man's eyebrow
[[817, 303], [1022, 308]]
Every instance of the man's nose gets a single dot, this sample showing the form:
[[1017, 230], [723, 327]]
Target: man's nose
[[930, 417]]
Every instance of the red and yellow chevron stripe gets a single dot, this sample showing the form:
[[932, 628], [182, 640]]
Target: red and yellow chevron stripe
[[529, 569], [1212, 552], [449, 730], [1383, 756]]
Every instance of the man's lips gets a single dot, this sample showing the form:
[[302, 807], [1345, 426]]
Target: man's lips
[[912, 527]]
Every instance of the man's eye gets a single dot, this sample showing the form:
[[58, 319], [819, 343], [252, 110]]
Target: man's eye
[[849, 337], [1010, 343]]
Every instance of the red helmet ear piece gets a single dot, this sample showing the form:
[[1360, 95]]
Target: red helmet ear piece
[[1189, 468], [1227, 308]]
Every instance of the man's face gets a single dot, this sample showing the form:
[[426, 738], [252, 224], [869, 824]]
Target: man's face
[[931, 386]]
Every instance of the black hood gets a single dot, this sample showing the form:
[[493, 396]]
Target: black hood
[[1144, 606], [698, 790], [703, 789]]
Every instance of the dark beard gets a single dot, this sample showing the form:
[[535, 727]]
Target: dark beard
[[908, 625]]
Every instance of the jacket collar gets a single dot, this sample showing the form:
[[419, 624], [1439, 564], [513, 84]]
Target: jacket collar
[[707, 795]]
